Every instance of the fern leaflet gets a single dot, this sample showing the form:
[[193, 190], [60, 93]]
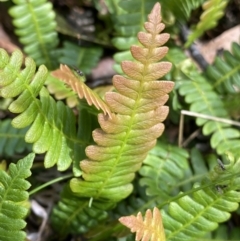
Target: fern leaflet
[[13, 198]]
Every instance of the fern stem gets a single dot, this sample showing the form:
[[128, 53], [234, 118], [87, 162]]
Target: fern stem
[[59, 179], [209, 117]]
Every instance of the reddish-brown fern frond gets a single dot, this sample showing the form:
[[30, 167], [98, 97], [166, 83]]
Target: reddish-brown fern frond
[[83, 91], [149, 229], [124, 140]]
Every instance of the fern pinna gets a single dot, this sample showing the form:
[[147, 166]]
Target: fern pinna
[[126, 137]]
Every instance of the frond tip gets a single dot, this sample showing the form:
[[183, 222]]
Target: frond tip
[[83, 91], [150, 228]]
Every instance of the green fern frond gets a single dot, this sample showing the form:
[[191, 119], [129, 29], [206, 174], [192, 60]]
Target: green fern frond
[[12, 139], [151, 228], [213, 11], [210, 205], [199, 93], [83, 58], [224, 72], [52, 124], [181, 9], [124, 140], [74, 215], [164, 164], [129, 19], [35, 25], [13, 199]]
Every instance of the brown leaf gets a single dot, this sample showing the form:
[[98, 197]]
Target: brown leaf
[[83, 91]]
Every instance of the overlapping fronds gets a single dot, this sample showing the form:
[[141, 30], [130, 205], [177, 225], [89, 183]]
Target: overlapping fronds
[[149, 228], [199, 93], [75, 215], [83, 58], [125, 139], [83, 91], [61, 92], [225, 72], [52, 124], [211, 203], [213, 11], [181, 9], [35, 25], [12, 139], [164, 164], [129, 19], [13, 199]]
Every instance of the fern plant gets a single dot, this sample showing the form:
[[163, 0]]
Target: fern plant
[[115, 171], [14, 198]]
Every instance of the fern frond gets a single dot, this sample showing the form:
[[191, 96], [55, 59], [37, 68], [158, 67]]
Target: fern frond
[[164, 164], [13, 199], [210, 205], [52, 124], [124, 141], [200, 95], [213, 11], [12, 139], [84, 58], [83, 91], [225, 72], [60, 91], [73, 214], [129, 19], [35, 23], [181, 9], [150, 228]]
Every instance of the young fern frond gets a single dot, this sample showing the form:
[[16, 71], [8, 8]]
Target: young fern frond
[[83, 91], [151, 228], [12, 139], [213, 11], [52, 124], [225, 71], [210, 205], [125, 139], [35, 25], [13, 199], [202, 99]]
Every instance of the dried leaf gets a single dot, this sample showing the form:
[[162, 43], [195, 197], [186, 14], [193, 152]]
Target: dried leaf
[[83, 91]]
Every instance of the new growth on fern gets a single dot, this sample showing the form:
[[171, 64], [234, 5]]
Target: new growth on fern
[[138, 111]]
